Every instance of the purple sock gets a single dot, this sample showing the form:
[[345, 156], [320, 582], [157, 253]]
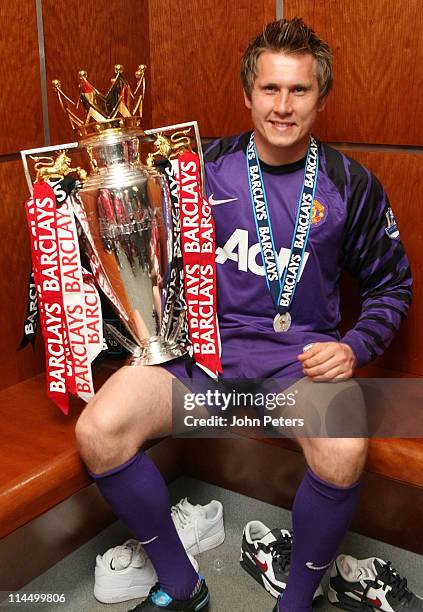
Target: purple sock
[[321, 515], [140, 498]]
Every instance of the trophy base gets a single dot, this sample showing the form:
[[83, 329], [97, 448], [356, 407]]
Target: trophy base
[[158, 351]]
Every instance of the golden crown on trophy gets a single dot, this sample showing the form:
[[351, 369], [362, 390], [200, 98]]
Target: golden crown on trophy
[[94, 113]]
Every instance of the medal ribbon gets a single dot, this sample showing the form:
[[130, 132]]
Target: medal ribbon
[[282, 289]]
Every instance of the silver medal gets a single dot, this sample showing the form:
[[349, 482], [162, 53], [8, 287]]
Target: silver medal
[[282, 322]]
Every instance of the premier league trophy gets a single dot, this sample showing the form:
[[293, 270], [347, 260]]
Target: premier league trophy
[[128, 219], [147, 230]]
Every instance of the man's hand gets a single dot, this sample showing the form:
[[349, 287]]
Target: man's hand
[[328, 360]]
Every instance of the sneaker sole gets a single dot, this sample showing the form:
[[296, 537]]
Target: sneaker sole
[[203, 605], [253, 570], [122, 593], [207, 543], [118, 595], [345, 603]]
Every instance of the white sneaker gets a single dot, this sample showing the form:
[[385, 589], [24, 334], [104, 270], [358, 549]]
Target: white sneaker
[[266, 556], [199, 527], [370, 584], [125, 572]]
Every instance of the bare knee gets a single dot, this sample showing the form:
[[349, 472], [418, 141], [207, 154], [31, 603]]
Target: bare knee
[[132, 406], [336, 460], [101, 439]]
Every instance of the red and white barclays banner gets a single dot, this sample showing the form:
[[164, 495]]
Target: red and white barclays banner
[[198, 254], [68, 301]]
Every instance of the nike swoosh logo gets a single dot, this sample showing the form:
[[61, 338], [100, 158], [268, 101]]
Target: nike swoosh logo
[[262, 566], [149, 541], [311, 565], [214, 202], [376, 601]]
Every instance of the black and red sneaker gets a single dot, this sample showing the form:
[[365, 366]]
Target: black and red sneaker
[[266, 556], [159, 600], [368, 585]]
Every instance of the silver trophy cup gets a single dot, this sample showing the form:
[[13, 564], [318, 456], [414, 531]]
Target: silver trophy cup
[[131, 223]]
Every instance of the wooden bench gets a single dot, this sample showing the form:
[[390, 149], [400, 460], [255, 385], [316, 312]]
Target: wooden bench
[[271, 470], [48, 504], [40, 465]]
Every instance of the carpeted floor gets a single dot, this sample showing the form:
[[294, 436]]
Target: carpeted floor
[[231, 588]]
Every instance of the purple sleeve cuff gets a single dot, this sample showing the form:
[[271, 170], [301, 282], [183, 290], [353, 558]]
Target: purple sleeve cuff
[[355, 342]]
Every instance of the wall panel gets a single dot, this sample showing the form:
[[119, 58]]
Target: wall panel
[[378, 51], [93, 36], [401, 175], [20, 102], [195, 55], [15, 264]]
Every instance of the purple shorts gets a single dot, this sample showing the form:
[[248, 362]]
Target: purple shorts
[[247, 354]]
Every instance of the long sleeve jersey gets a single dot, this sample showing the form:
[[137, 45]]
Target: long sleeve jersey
[[352, 228]]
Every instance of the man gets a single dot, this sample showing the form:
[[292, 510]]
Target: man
[[280, 199]]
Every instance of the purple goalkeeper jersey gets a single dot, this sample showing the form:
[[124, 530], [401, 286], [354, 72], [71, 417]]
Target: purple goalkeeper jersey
[[352, 228]]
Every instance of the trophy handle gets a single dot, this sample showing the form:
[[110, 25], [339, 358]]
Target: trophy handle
[[50, 168], [170, 148], [75, 145], [179, 131], [29, 153]]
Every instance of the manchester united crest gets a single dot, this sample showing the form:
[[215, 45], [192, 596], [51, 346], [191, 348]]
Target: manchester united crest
[[318, 212]]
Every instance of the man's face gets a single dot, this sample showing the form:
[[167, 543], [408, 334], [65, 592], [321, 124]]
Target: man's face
[[284, 103]]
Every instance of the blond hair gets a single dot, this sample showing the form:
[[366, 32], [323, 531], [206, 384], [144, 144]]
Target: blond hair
[[291, 36]]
